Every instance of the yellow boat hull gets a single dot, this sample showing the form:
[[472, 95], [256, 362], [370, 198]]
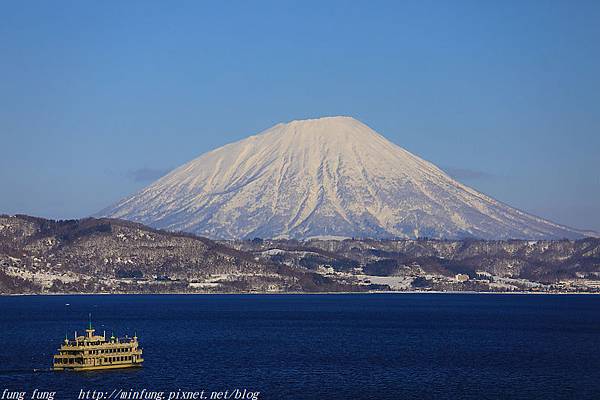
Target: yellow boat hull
[[97, 367]]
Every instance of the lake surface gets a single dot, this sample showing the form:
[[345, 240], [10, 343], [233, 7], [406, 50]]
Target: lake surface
[[379, 346]]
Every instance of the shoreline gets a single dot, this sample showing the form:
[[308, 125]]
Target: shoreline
[[303, 293]]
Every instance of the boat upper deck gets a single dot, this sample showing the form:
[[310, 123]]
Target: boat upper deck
[[92, 351]]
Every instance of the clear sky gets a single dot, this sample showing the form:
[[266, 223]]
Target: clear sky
[[98, 98]]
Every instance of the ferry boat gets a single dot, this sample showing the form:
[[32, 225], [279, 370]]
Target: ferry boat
[[94, 352]]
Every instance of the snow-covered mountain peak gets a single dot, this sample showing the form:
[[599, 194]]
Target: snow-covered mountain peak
[[331, 176], [325, 128], [336, 120]]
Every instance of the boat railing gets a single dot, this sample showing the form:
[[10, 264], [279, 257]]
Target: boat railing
[[120, 342]]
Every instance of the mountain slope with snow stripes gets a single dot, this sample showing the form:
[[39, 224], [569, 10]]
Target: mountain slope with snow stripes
[[331, 176]]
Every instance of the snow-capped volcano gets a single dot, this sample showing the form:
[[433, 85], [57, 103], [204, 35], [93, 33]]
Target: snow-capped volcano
[[323, 177]]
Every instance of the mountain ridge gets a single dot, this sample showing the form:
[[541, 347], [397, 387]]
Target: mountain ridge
[[90, 255]]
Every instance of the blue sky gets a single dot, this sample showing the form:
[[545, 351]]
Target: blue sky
[[98, 98]]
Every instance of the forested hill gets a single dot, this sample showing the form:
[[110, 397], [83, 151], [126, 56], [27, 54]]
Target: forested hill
[[114, 256]]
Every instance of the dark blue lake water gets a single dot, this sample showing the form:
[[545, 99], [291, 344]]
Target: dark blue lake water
[[405, 346]]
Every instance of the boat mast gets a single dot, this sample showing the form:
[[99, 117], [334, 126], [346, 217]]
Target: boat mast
[[90, 330]]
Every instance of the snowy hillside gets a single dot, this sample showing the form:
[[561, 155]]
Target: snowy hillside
[[323, 177]]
